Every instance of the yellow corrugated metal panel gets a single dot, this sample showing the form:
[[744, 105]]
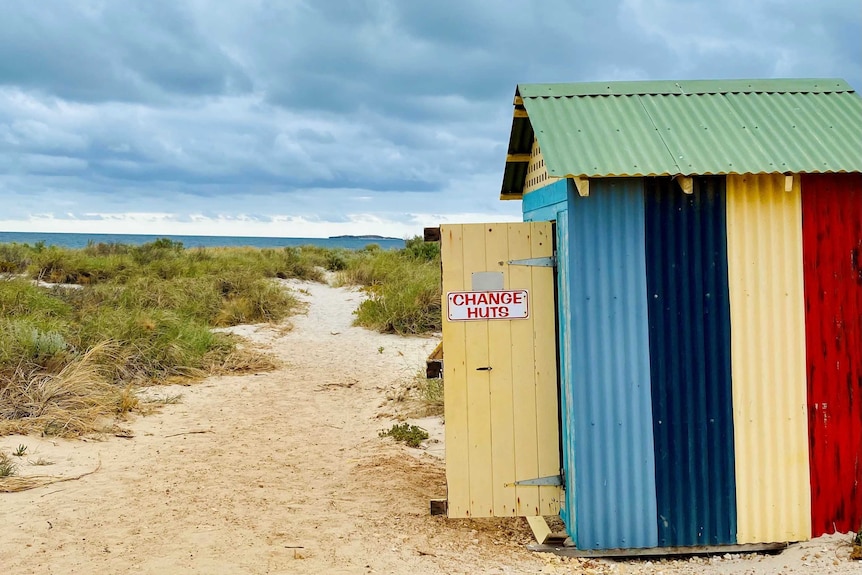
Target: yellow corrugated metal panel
[[764, 248], [501, 424]]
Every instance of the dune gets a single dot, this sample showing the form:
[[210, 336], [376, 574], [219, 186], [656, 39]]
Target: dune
[[285, 472]]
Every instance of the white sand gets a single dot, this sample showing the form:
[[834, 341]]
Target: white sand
[[284, 472]]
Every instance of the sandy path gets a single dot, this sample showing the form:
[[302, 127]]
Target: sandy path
[[284, 473], [288, 476]]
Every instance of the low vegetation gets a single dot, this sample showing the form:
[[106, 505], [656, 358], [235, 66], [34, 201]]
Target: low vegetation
[[80, 330], [412, 435], [100, 321], [856, 553], [8, 466], [403, 288]]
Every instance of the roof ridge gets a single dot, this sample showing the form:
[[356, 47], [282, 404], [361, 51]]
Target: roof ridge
[[685, 87]]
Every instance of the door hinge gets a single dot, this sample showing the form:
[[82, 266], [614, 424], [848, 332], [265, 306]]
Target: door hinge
[[549, 480], [548, 262]]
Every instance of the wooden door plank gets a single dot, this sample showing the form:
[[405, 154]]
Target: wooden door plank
[[523, 377], [455, 392], [500, 358], [478, 385]]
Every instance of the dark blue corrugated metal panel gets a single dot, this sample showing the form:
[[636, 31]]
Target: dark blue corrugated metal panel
[[608, 413], [689, 323]]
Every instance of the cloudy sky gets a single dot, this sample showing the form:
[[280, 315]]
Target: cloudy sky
[[321, 117]]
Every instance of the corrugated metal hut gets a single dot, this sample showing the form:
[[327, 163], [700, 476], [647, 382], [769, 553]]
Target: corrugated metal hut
[[709, 241]]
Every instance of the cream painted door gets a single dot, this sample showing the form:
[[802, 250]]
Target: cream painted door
[[500, 375]]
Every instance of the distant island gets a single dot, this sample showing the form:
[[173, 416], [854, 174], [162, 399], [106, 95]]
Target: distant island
[[372, 237]]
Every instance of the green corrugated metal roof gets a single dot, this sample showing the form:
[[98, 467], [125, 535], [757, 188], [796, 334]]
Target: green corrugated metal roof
[[622, 129]]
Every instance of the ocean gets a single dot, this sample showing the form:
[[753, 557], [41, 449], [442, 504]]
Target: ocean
[[81, 240]]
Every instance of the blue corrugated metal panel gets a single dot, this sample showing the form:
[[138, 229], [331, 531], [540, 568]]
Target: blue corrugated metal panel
[[544, 203], [689, 323], [564, 311], [609, 407]]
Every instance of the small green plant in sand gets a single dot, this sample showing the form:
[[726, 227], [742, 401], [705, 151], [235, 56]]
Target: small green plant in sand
[[412, 435], [40, 462], [856, 553], [20, 451], [8, 467], [431, 393]]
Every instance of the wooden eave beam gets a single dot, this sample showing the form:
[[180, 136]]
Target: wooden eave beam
[[788, 183], [686, 183], [518, 158], [583, 186], [521, 113]]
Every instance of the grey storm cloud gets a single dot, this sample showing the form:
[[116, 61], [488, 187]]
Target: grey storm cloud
[[198, 106]]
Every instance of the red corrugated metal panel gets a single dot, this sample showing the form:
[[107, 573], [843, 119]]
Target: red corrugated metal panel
[[832, 247]]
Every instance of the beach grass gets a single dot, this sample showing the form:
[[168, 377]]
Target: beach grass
[[403, 288], [82, 329]]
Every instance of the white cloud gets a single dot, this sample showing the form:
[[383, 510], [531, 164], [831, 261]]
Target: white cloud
[[336, 115], [407, 225]]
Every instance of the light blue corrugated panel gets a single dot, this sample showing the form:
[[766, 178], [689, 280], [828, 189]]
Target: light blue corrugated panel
[[551, 203], [608, 406], [564, 311], [543, 204]]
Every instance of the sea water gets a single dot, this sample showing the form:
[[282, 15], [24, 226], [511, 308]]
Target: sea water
[[81, 240]]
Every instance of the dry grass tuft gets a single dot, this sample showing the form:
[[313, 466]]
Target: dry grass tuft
[[14, 484], [243, 360], [71, 403]]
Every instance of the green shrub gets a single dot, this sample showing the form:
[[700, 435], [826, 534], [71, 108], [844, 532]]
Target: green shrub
[[403, 291], [14, 258], [417, 248], [412, 435]]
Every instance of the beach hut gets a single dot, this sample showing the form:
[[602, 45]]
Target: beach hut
[[703, 243]]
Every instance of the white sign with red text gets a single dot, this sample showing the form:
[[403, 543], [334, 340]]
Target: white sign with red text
[[502, 304]]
